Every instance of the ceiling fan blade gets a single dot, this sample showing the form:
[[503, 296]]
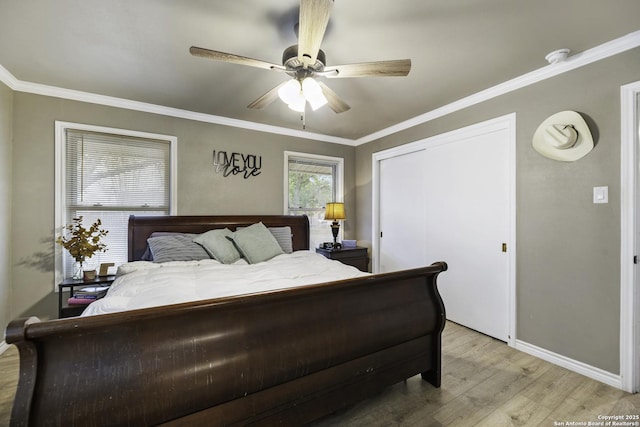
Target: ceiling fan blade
[[314, 17], [267, 98], [335, 102], [235, 59], [396, 67]]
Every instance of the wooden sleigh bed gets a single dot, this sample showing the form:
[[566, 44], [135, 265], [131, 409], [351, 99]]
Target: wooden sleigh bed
[[283, 357]]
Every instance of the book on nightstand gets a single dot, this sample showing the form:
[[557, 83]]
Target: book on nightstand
[[80, 301], [87, 295]]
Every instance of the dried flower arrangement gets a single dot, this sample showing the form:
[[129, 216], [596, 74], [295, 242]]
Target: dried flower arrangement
[[83, 242]]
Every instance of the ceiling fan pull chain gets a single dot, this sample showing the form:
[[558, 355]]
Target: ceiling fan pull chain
[[303, 118]]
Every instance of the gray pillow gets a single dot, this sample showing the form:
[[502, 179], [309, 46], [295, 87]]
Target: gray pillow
[[175, 247], [256, 243], [147, 256], [215, 242], [283, 235]]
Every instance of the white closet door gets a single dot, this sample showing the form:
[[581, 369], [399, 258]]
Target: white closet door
[[467, 220], [451, 202], [402, 213]]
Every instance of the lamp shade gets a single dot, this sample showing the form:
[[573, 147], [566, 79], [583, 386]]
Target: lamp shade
[[298, 104], [313, 93], [290, 92], [334, 211]]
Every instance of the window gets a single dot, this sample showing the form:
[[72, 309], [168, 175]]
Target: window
[[311, 181], [110, 174]]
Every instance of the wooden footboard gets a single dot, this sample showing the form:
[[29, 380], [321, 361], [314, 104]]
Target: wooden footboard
[[287, 356]]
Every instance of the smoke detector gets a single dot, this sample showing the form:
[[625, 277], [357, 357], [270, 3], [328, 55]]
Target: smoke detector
[[556, 56]]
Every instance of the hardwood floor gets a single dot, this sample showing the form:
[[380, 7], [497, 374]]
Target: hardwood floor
[[487, 383], [8, 381], [484, 383]]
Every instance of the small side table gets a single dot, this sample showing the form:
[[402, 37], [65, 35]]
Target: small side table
[[356, 257], [68, 285]]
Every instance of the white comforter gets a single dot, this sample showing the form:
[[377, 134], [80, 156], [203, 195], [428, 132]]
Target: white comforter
[[144, 284]]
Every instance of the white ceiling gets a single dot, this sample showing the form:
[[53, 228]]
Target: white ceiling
[[139, 50]]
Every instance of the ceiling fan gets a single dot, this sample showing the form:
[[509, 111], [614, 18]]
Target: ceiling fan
[[305, 61]]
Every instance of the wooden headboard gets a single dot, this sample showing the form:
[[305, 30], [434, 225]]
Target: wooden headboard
[[141, 227]]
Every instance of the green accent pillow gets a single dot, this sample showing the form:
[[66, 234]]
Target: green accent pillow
[[283, 236], [256, 243], [217, 245]]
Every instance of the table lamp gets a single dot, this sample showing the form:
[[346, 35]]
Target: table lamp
[[334, 212]]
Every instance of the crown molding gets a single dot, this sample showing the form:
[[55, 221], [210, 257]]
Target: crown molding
[[595, 54], [7, 78], [75, 95]]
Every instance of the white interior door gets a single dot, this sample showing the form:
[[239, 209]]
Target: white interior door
[[630, 238], [452, 201], [635, 353]]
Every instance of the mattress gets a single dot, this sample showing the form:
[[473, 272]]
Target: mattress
[[143, 284]]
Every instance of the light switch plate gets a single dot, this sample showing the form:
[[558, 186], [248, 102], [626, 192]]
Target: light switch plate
[[600, 194]]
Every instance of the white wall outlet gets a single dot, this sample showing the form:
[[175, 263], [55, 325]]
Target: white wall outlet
[[600, 194]]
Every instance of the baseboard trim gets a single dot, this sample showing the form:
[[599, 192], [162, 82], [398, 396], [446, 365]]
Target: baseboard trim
[[3, 346], [571, 364]]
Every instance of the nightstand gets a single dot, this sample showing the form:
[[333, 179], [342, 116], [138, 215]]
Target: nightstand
[[68, 285], [356, 257]]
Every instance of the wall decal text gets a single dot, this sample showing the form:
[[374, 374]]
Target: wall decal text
[[236, 163]]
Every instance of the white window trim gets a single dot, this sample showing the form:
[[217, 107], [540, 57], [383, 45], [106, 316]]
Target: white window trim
[[339, 184], [339, 175], [60, 148]]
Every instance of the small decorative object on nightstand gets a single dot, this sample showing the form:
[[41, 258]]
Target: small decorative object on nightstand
[[356, 257], [104, 268], [82, 243]]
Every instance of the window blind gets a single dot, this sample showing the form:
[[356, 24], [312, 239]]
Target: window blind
[[312, 166], [109, 177]]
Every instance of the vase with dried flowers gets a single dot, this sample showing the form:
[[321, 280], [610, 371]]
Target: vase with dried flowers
[[81, 242]]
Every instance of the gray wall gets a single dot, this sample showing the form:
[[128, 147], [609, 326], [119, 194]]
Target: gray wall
[[568, 262], [6, 126], [200, 189]]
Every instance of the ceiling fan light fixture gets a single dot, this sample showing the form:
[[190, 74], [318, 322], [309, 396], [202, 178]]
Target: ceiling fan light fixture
[[298, 104], [313, 93], [305, 60], [290, 92], [296, 94]]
